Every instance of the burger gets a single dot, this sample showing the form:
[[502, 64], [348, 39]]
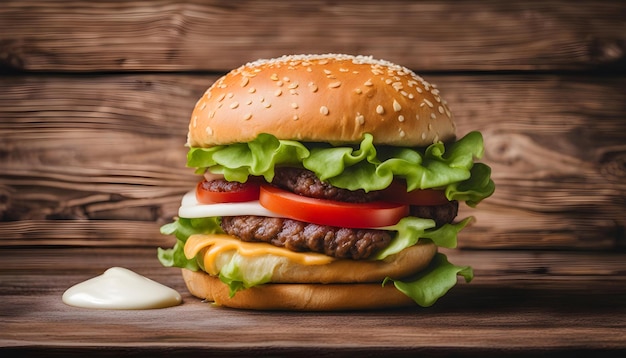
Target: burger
[[328, 183]]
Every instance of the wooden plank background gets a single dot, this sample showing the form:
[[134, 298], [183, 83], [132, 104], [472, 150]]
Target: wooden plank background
[[95, 100]]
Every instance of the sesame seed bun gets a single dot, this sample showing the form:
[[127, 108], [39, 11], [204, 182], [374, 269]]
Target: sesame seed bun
[[321, 98]]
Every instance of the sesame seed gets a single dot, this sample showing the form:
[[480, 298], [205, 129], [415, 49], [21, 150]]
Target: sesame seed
[[419, 90], [247, 116], [313, 87], [203, 106], [430, 127], [286, 79], [245, 81], [334, 84], [377, 71], [211, 114], [380, 109], [195, 121], [328, 72], [322, 62], [294, 105], [293, 91], [221, 97], [308, 69], [251, 90], [429, 103], [274, 77], [278, 92], [396, 106], [234, 105], [344, 70], [324, 110], [360, 119], [368, 83], [209, 130], [436, 139], [267, 105], [358, 91], [402, 134], [440, 108], [433, 116], [279, 83], [230, 95], [295, 117], [423, 135], [400, 118], [411, 96], [417, 117], [388, 81], [293, 85], [249, 102]]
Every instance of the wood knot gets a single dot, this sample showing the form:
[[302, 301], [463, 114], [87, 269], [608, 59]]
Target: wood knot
[[613, 166]]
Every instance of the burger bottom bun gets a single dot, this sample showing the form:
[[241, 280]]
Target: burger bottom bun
[[297, 296], [340, 285]]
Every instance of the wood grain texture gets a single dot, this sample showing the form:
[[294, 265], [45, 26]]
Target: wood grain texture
[[217, 35], [520, 303], [95, 98], [105, 148]]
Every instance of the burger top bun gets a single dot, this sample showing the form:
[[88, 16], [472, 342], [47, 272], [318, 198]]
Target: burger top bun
[[321, 98]]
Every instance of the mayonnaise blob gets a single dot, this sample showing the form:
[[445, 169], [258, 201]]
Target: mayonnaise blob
[[121, 289]]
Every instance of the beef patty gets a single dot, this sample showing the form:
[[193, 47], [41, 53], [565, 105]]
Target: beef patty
[[300, 236], [304, 182]]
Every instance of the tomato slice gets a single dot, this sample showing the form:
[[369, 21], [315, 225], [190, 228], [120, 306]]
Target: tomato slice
[[211, 192], [397, 193], [330, 212]]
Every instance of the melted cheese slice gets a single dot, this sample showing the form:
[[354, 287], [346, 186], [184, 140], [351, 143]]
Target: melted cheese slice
[[216, 245]]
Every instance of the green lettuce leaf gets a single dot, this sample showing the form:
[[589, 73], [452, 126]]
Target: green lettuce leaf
[[241, 272], [182, 228], [258, 158], [366, 167], [434, 282], [411, 229]]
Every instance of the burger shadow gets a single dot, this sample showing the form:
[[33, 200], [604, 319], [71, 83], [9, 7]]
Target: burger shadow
[[491, 301]]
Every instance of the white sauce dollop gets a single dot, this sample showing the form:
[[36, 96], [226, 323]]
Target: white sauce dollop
[[121, 289]]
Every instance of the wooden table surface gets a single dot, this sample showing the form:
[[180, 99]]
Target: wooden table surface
[[95, 100], [546, 303]]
